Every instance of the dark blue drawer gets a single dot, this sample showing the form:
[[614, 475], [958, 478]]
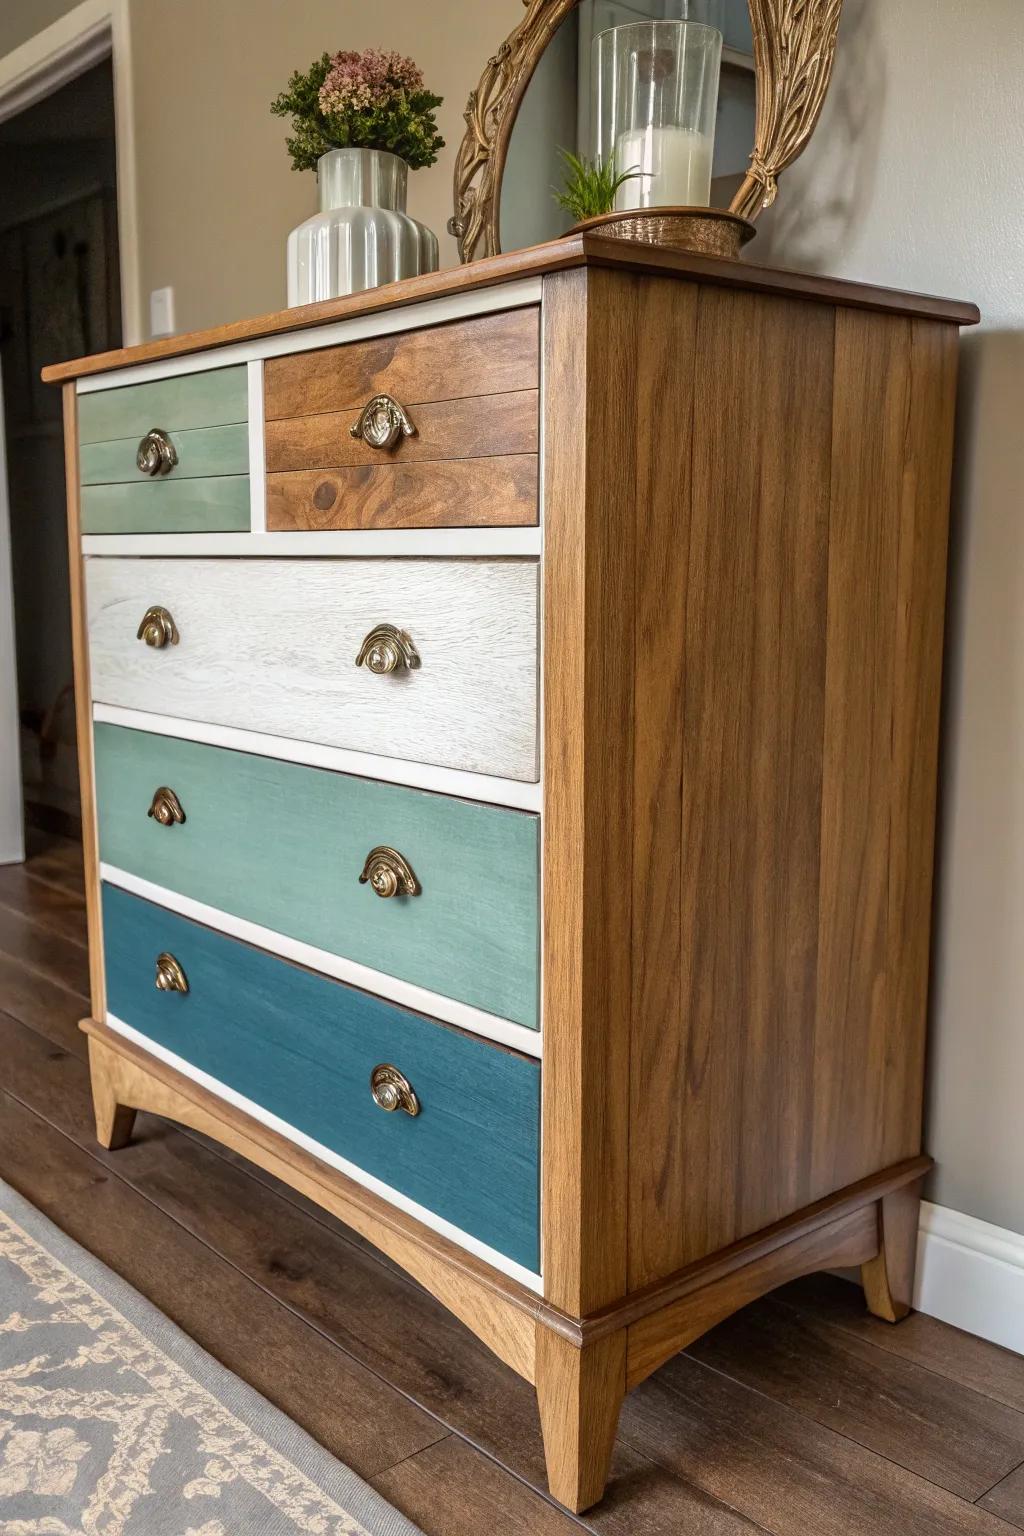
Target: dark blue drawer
[[303, 1047]]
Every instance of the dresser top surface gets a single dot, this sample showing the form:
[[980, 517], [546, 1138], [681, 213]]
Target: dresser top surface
[[537, 261]]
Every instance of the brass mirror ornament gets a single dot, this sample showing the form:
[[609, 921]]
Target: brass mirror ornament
[[169, 975], [382, 423], [166, 808], [794, 50], [157, 628], [387, 649], [157, 455], [389, 874], [392, 1090]]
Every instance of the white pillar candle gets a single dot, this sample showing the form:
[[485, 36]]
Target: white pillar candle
[[676, 167]]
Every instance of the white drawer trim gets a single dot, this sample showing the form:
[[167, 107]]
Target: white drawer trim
[[472, 1245], [405, 993], [516, 793], [387, 322], [435, 543]]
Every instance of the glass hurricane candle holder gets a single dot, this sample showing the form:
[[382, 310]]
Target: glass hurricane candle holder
[[655, 94]]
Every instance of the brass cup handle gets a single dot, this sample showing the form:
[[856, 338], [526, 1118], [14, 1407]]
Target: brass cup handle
[[157, 629], [166, 807], [391, 1090], [156, 455], [387, 649], [389, 874], [169, 975], [382, 423]]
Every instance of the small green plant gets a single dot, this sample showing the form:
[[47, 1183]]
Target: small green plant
[[371, 100], [590, 185]]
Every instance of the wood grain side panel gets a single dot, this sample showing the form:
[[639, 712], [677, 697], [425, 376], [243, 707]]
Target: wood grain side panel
[[83, 706], [894, 401], [455, 493], [662, 513], [490, 354], [476, 427], [737, 1113], [591, 340]]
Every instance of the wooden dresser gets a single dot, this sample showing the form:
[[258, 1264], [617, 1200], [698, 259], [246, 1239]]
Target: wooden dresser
[[508, 714]]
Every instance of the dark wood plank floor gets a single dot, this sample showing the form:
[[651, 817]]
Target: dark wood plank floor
[[800, 1416]]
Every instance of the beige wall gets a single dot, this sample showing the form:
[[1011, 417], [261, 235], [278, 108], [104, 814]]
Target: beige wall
[[20, 19], [217, 196], [914, 179]]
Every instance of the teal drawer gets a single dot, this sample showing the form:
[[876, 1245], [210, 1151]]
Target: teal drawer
[[303, 1048], [168, 505], [283, 845], [200, 451], [217, 398]]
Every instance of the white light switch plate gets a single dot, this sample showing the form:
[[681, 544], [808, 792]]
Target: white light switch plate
[[161, 312]]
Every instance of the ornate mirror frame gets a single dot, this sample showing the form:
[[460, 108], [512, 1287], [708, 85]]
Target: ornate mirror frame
[[794, 49]]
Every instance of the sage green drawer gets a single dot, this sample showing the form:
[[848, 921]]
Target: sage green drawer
[[218, 505], [283, 845], [200, 451], [217, 398]]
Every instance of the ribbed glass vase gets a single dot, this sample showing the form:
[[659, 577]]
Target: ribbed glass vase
[[362, 235]]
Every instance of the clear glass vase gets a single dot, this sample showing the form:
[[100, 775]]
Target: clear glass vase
[[655, 94], [362, 235]]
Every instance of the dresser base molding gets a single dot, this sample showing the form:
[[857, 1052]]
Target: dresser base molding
[[582, 1367]]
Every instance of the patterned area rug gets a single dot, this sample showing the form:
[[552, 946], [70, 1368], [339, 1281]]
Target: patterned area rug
[[114, 1423]]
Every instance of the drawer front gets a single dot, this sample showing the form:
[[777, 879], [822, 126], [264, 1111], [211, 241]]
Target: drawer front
[[271, 646], [220, 505], [488, 355], [199, 451], [216, 398], [283, 845], [463, 451], [303, 1048], [203, 416]]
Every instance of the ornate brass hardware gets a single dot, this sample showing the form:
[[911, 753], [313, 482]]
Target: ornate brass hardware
[[382, 421], [169, 975], [393, 1091], [387, 649], [157, 455], [389, 874], [157, 628], [166, 807]]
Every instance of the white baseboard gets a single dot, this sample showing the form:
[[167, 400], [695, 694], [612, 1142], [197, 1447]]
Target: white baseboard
[[971, 1274]]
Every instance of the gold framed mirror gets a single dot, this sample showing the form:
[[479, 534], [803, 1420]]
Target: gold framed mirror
[[793, 48]]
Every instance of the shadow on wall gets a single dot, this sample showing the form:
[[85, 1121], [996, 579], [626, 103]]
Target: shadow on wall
[[978, 973], [815, 234]]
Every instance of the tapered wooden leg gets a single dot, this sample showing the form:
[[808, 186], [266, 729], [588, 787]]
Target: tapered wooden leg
[[114, 1121], [889, 1277], [580, 1392]]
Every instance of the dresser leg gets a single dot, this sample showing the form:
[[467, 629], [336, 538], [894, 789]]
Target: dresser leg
[[579, 1392], [114, 1121], [889, 1277]]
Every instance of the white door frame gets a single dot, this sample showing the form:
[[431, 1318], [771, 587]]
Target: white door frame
[[94, 30]]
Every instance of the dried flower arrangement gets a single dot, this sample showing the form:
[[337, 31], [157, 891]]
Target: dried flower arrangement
[[371, 100]]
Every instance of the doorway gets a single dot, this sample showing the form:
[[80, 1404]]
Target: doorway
[[59, 298]]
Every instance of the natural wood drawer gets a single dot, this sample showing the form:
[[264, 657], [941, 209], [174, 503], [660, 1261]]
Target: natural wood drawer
[[303, 1047], [470, 932], [467, 454], [271, 646]]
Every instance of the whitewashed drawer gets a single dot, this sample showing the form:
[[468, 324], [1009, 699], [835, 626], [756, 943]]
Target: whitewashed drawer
[[271, 646]]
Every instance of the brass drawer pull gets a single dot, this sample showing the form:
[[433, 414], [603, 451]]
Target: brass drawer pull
[[166, 807], [393, 1091], [157, 628], [382, 421], [157, 455], [169, 975], [387, 649], [389, 874]]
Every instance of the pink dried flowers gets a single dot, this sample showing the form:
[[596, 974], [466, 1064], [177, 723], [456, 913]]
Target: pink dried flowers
[[371, 100]]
